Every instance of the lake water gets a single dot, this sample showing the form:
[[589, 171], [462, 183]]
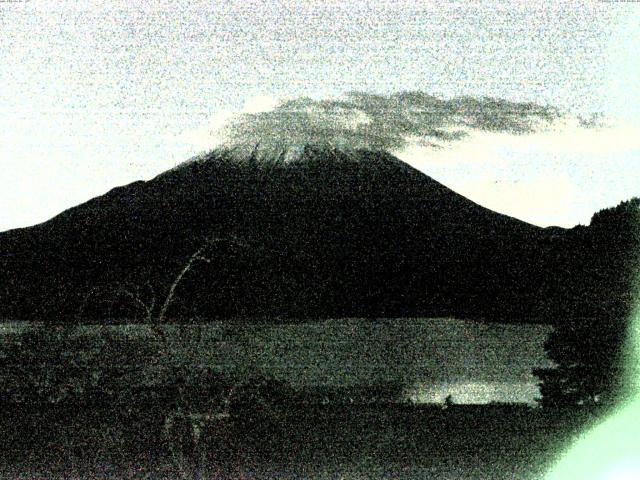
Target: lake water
[[472, 361]]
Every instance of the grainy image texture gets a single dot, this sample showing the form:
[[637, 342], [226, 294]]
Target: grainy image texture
[[319, 240]]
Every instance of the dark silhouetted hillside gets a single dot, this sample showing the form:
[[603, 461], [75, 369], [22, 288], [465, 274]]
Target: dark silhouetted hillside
[[325, 233]]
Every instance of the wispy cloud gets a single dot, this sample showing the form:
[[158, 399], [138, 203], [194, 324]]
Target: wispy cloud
[[364, 120]]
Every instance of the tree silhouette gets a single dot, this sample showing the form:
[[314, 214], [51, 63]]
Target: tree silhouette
[[588, 348], [588, 361]]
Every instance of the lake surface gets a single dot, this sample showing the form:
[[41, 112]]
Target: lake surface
[[472, 361]]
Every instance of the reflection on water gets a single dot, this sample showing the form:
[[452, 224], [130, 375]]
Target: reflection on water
[[474, 392], [474, 362]]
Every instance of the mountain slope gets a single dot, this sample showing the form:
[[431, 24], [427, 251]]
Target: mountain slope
[[323, 233]]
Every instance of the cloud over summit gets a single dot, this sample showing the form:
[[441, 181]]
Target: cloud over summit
[[533, 162], [381, 122]]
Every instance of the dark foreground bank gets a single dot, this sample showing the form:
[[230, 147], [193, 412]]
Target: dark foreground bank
[[303, 441]]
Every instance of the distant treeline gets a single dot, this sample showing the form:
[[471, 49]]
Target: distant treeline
[[591, 340]]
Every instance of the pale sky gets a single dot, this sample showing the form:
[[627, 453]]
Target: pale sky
[[98, 94]]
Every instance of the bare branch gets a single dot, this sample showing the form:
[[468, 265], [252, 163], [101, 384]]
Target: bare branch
[[195, 257], [148, 309], [133, 292], [86, 298]]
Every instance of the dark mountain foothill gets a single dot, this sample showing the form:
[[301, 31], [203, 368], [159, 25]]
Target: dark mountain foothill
[[318, 232]]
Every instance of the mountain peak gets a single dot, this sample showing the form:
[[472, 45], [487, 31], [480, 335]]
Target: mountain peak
[[285, 153], [333, 232]]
